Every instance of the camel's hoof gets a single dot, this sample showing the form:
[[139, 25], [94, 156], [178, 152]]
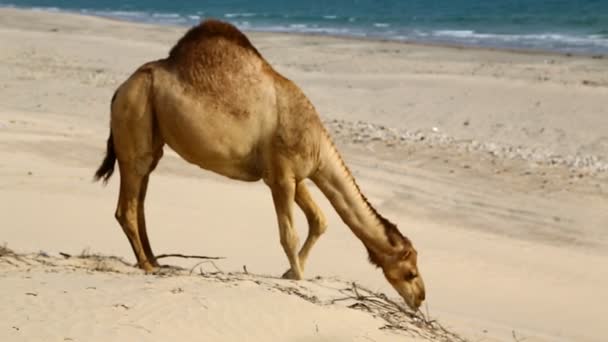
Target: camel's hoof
[[154, 270], [289, 274], [149, 268]]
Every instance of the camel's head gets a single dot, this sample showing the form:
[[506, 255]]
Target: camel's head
[[401, 270]]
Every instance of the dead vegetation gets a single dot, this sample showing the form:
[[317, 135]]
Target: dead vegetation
[[397, 317]]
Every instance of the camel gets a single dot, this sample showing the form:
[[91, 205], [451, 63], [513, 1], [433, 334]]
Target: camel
[[220, 105]]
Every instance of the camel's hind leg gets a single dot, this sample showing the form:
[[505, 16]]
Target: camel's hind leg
[[130, 210], [316, 223], [138, 148], [143, 235]]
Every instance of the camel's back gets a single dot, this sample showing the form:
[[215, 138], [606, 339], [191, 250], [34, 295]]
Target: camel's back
[[216, 65], [207, 30], [217, 56]]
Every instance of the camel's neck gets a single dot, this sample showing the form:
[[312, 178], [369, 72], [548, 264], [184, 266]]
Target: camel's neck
[[337, 183]]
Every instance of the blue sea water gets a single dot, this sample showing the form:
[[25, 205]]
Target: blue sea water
[[577, 26]]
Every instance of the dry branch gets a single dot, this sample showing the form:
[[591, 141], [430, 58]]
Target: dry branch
[[177, 255], [396, 316], [206, 262], [6, 251]]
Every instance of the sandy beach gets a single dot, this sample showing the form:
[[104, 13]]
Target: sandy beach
[[494, 163]]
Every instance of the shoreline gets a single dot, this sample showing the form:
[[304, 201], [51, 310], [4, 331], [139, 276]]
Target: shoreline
[[408, 41], [446, 45]]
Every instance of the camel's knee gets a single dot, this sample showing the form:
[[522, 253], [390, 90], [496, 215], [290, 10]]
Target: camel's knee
[[289, 239], [320, 225], [144, 164], [317, 224]]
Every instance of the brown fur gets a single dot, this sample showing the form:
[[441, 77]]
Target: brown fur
[[210, 29], [221, 106], [196, 52], [106, 169], [391, 232]]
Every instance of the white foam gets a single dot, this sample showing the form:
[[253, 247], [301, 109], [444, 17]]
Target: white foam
[[166, 15], [455, 33], [548, 39], [239, 15]]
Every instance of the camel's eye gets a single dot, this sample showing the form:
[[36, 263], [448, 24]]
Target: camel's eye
[[410, 275]]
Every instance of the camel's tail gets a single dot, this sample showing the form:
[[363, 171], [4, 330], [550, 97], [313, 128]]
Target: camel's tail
[[106, 169]]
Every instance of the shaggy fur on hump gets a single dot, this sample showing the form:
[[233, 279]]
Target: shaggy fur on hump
[[210, 29]]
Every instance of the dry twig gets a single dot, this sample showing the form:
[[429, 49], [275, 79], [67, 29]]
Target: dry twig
[[206, 262], [177, 255]]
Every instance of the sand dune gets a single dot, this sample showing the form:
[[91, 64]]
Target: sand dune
[[492, 162], [96, 298]]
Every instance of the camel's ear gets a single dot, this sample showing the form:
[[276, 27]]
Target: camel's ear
[[406, 253]]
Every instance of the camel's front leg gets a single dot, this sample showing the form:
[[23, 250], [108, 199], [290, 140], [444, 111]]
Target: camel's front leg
[[283, 193], [316, 224]]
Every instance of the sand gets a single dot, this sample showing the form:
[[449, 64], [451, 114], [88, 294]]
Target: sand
[[492, 162]]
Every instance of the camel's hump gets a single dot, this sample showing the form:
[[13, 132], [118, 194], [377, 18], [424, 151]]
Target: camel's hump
[[208, 29]]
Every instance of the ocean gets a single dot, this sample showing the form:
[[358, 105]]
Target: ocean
[[571, 26]]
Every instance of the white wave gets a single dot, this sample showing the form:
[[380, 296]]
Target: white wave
[[154, 17], [330, 17], [382, 24], [539, 38], [239, 15], [303, 28], [49, 9], [166, 15], [455, 33], [119, 14]]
